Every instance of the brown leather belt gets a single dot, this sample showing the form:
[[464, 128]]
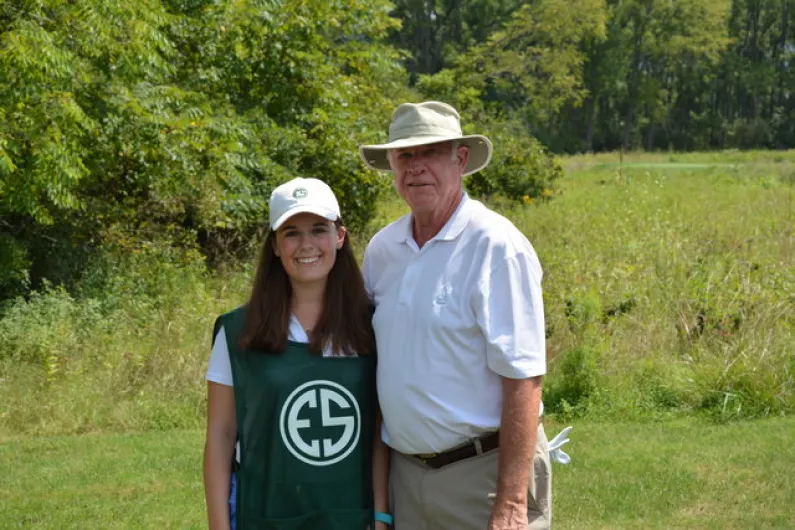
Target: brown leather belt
[[487, 443]]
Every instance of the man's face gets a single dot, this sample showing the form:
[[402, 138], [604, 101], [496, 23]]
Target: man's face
[[428, 177]]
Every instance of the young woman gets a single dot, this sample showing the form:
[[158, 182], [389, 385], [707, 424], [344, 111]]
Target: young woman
[[291, 380]]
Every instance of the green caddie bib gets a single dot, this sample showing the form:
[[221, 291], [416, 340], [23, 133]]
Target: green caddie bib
[[305, 425]]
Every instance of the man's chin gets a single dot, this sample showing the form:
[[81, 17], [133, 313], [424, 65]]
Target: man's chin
[[422, 204]]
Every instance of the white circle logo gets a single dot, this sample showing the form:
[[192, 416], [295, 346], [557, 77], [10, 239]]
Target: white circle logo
[[329, 424]]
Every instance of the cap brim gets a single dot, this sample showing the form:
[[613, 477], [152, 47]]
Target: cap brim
[[480, 150], [307, 208]]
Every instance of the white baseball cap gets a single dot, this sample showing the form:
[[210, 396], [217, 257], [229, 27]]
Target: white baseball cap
[[302, 195]]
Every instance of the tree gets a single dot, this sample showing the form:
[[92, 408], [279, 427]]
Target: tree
[[533, 66], [436, 32], [122, 123], [757, 74], [665, 46]]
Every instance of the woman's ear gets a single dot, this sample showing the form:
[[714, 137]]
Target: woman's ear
[[342, 232], [273, 244]]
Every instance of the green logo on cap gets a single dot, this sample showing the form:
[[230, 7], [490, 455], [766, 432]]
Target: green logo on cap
[[300, 193]]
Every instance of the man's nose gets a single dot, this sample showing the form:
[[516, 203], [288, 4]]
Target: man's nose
[[416, 163]]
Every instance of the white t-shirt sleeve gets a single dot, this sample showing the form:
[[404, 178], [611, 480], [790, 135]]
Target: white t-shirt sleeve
[[510, 313], [220, 369]]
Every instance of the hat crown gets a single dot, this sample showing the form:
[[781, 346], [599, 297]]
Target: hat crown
[[302, 195], [415, 124], [432, 119]]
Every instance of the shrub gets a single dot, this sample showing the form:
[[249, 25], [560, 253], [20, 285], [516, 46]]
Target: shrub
[[45, 329], [747, 134], [14, 267], [156, 117], [522, 169], [127, 351], [573, 381]]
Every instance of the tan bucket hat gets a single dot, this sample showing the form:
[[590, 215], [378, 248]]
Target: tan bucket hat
[[427, 123]]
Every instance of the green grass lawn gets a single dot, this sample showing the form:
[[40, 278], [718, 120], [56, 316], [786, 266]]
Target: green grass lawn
[[678, 474], [141, 480]]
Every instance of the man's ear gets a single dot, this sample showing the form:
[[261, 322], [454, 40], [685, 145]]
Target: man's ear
[[462, 157], [342, 232]]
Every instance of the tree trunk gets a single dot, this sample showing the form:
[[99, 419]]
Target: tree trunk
[[590, 110], [650, 137]]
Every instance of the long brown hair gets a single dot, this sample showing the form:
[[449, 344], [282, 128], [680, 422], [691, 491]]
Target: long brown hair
[[345, 323]]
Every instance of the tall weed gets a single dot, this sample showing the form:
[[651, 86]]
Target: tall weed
[[690, 271], [669, 290], [128, 352]]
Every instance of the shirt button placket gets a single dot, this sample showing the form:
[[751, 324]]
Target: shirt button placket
[[409, 283]]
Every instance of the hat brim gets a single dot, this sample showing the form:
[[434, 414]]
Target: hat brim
[[480, 149], [325, 213]]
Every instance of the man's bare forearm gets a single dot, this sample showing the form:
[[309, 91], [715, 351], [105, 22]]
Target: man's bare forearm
[[518, 428]]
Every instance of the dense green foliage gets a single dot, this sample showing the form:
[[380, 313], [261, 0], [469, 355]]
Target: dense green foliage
[[166, 124], [123, 124], [606, 74]]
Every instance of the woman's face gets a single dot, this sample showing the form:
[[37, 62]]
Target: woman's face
[[307, 245]]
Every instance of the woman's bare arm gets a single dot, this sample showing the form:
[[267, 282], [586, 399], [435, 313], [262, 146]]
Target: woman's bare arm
[[219, 449]]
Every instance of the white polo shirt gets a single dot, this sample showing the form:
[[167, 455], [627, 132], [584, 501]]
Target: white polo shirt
[[451, 318]]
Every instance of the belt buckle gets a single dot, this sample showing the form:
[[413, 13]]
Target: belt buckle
[[424, 457]]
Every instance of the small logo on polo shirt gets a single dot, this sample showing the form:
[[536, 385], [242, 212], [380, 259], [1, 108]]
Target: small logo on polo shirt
[[320, 423], [443, 294], [300, 193]]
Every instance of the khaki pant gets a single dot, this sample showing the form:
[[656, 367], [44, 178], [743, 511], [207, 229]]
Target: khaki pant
[[460, 496]]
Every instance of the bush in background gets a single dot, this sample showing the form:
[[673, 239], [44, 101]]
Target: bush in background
[[521, 169], [179, 118], [127, 352]]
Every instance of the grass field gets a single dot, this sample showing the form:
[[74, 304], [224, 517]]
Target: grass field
[[669, 293], [669, 282], [677, 474]]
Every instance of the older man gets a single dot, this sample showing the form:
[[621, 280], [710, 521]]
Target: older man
[[460, 330]]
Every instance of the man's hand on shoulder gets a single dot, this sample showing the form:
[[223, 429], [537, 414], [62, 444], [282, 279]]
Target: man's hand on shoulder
[[508, 515]]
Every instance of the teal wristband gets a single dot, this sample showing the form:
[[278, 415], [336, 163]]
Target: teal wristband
[[381, 517]]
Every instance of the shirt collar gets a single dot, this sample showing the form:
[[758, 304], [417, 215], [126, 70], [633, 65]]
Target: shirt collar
[[403, 229], [456, 224], [451, 229]]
